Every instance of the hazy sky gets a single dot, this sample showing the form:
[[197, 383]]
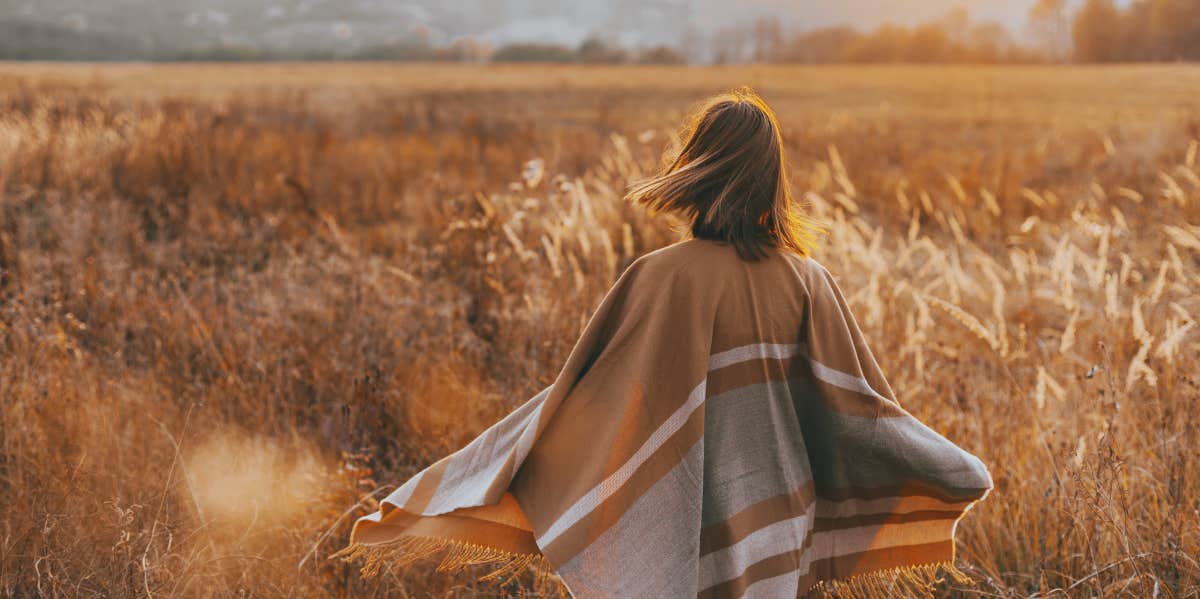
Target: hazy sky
[[358, 23]]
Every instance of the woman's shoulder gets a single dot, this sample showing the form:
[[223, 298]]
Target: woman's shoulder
[[684, 252], [710, 259], [685, 259]]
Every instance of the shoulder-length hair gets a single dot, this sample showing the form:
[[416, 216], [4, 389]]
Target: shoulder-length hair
[[729, 179]]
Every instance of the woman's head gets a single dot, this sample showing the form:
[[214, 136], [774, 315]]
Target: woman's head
[[729, 179]]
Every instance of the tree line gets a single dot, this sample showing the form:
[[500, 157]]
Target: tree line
[[1095, 31], [1145, 30], [1062, 31]]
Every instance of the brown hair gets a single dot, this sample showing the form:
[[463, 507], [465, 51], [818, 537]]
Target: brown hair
[[729, 179]]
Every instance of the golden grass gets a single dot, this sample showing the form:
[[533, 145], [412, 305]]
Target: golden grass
[[238, 304]]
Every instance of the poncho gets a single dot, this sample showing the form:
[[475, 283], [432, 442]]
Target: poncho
[[720, 429]]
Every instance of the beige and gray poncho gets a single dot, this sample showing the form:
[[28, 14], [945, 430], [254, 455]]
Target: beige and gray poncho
[[720, 430]]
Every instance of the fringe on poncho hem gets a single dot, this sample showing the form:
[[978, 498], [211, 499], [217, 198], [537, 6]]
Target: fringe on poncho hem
[[903, 581], [507, 566], [456, 556]]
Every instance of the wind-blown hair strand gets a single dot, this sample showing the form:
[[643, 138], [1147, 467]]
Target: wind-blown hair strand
[[729, 179]]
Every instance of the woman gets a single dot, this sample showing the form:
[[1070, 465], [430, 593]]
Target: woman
[[720, 429]]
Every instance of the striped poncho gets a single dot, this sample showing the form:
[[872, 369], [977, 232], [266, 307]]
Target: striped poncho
[[719, 430]]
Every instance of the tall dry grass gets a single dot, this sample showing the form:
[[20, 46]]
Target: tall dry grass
[[237, 307]]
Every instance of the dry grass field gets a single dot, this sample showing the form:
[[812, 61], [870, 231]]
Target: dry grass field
[[239, 303]]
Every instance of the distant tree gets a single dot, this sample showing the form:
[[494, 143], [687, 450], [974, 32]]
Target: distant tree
[[927, 43], [661, 55], [406, 49], [227, 53], [1098, 33], [692, 44], [464, 49], [1140, 40], [529, 52], [732, 45], [956, 25], [991, 43], [886, 44], [26, 40], [1187, 38], [823, 45], [1048, 20], [954, 38], [768, 40], [1171, 28], [597, 50]]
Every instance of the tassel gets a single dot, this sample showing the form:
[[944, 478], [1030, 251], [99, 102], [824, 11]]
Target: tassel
[[905, 581], [456, 556]]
